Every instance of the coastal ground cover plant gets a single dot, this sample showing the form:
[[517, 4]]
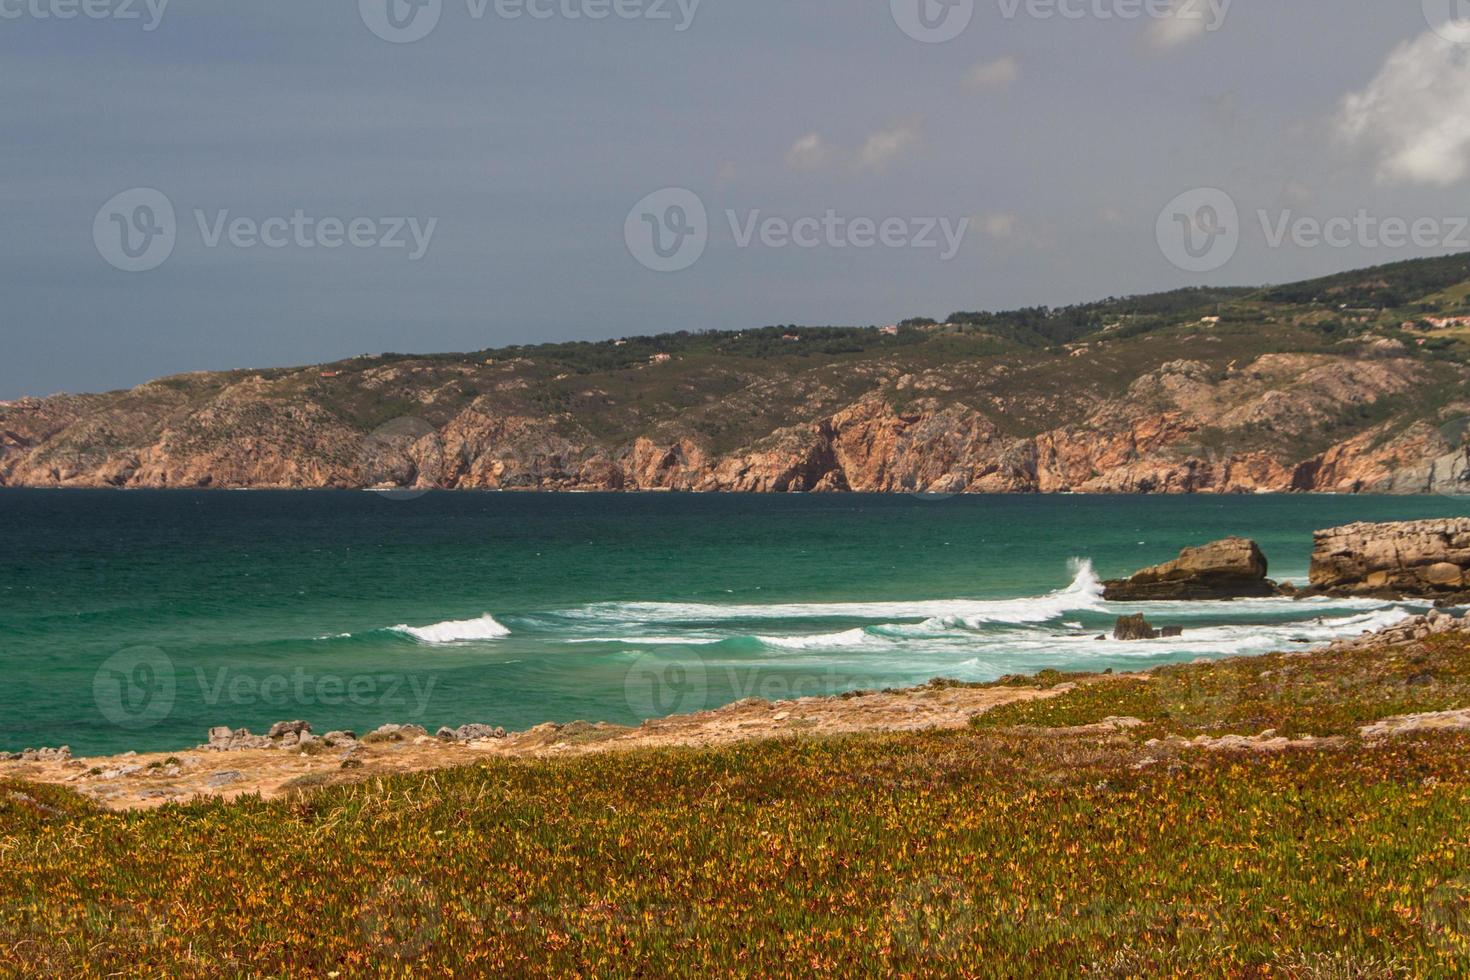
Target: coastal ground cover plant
[[968, 853]]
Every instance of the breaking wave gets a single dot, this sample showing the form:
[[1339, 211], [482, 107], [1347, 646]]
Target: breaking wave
[[455, 631]]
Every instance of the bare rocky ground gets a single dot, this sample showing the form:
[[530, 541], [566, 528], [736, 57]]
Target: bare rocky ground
[[134, 780]]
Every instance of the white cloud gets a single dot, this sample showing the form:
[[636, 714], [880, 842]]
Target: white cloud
[[889, 145], [811, 152], [1000, 226], [993, 76], [1186, 21], [1414, 117]]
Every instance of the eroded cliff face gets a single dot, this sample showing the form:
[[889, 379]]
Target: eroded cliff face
[[1281, 422], [1405, 558]]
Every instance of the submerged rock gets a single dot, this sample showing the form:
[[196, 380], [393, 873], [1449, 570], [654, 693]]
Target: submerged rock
[[1234, 568]]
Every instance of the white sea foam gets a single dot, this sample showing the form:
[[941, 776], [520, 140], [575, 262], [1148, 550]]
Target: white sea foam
[[1085, 593], [456, 631], [846, 640], [932, 644], [693, 640]]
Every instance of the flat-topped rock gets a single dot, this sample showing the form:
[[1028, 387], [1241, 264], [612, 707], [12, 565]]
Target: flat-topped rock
[[1420, 559], [1234, 568]]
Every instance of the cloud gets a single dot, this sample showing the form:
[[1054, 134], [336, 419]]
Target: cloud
[[810, 152], [1000, 226], [886, 146], [1414, 117], [993, 76], [1186, 21]]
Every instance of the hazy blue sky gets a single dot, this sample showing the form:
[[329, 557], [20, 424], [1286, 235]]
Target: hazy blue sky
[[1059, 137]]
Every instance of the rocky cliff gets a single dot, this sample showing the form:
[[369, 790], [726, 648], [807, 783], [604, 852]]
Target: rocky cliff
[[1408, 558], [1147, 396]]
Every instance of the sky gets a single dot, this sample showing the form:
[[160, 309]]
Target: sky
[[201, 185]]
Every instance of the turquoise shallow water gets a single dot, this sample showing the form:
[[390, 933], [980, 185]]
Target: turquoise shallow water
[[140, 619]]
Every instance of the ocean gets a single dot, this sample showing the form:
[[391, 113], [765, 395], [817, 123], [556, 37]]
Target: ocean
[[140, 619]]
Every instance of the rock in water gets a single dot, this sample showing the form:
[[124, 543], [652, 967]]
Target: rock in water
[[1134, 628], [1231, 569], [1428, 559]]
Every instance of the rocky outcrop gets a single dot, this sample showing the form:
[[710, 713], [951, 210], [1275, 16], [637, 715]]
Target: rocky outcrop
[[1230, 569], [1423, 559], [1136, 627]]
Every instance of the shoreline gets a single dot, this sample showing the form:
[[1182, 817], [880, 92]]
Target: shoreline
[[414, 492], [292, 759]]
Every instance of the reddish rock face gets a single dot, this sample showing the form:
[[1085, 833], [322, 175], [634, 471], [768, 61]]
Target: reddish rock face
[[1406, 558], [885, 432]]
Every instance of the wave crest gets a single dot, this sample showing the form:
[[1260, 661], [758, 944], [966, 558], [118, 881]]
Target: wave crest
[[455, 631]]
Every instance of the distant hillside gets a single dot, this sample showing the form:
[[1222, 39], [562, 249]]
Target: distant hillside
[[1351, 383]]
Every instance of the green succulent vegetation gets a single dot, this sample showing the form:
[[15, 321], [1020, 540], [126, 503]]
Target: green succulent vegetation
[[1013, 847]]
